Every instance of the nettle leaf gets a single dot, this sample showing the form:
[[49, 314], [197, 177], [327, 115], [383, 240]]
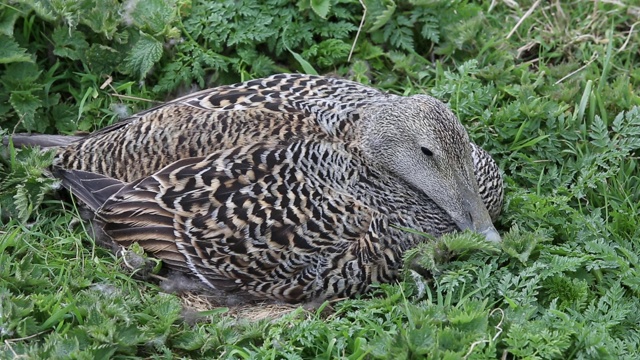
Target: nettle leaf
[[466, 242], [65, 116], [103, 59], [28, 197], [152, 16], [321, 7], [103, 18], [44, 9], [10, 51], [21, 76], [69, 43], [8, 17], [144, 54], [26, 184], [26, 104]]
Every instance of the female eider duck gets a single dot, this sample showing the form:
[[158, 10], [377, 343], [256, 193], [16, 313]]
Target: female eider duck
[[293, 187]]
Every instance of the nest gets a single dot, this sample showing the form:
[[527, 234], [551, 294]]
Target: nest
[[252, 312]]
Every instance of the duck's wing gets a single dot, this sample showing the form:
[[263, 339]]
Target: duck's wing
[[92, 189], [281, 92], [256, 219], [272, 109], [142, 148]]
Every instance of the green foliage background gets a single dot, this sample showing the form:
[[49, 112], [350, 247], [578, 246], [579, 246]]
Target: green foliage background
[[555, 101]]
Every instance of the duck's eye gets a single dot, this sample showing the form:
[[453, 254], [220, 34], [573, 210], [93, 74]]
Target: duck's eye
[[427, 151]]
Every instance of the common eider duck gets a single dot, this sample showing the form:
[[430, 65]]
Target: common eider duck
[[295, 188]]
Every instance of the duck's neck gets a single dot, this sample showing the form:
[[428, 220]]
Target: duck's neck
[[345, 168], [403, 205]]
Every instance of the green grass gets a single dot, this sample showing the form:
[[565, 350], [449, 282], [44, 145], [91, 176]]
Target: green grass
[[556, 103]]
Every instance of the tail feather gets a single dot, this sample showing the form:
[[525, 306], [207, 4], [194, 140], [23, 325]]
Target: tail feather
[[40, 140], [91, 188]]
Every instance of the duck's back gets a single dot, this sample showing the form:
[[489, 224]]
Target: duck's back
[[273, 109]]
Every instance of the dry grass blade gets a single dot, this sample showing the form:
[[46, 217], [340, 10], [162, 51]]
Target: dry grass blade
[[355, 41], [524, 17]]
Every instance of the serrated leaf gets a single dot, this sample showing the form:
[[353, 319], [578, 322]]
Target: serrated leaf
[[29, 195], [618, 123], [599, 134], [385, 15], [321, 7], [65, 117], [152, 16], [69, 43], [400, 33], [103, 18], [26, 104], [10, 51], [8, 17], [144, 54], [5, 107], [103, 59], [431, 30], [21, 76]]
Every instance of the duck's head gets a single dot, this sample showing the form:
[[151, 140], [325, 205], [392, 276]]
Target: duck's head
[[420, 140]]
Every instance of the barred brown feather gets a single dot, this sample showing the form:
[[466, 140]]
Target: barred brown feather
[[291, 187]]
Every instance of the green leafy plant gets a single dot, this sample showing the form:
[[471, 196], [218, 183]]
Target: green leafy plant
[[27, 182], [553, 98]]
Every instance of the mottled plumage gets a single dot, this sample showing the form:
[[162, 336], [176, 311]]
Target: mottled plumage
[[291, 187], [277, 108]]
